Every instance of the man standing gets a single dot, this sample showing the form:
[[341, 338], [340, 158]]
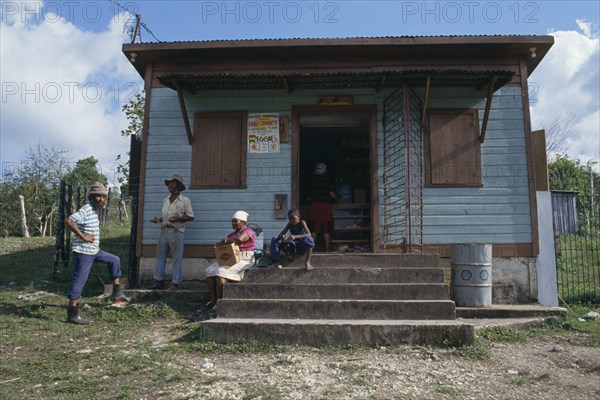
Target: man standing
[[86, 248], [176, 211]]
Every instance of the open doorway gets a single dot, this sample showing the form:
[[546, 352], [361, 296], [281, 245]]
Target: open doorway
[[342, 142]]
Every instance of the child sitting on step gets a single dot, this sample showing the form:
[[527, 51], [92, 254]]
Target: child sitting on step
[[299, 235]]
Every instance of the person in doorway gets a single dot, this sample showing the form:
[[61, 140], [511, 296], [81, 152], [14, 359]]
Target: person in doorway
[[217, 275], [300, 237], [85, 224], [321, 198], [176, 211]]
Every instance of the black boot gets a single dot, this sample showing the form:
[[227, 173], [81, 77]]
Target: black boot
[[158, 285], [119, 295], [74, 317]]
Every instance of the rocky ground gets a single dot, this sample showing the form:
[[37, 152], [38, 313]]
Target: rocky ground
[[548, 367]]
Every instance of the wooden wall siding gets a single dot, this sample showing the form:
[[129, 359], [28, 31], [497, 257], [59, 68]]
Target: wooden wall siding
[[267, 174], [500, 211]]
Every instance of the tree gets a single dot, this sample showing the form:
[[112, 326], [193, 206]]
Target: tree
[[134, 112], [85, 173], [9, 224], [572, 175], [37, 179], [558, 134]]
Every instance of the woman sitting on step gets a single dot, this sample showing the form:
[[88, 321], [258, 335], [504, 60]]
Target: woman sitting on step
[[217, 275]]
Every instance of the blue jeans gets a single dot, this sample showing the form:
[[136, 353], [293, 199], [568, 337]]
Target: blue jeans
[[83, 265], [169, 239], [301, 246]]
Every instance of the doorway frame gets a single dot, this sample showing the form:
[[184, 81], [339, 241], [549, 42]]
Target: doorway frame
[[371, 111]]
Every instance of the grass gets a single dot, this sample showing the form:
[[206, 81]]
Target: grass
[[136, 352], [578, 268]]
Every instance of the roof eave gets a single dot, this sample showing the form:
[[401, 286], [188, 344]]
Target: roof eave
[[427, 46]]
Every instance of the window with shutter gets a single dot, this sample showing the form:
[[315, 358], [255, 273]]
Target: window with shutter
[[219, 150], [453, 152]]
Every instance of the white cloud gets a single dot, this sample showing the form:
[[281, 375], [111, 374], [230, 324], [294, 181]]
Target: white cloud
[[568, 83], [63, 84]]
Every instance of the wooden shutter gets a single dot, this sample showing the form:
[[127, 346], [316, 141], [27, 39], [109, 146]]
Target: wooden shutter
[[219, 150], [453, 148]]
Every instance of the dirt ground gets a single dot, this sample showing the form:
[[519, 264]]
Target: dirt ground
[[550, 367]]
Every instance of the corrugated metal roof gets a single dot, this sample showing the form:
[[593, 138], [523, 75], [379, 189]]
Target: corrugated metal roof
[[342, 38], [293, 81]]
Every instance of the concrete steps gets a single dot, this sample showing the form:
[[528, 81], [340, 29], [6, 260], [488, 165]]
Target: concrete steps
[[359, 299], [348, 291], [317, 332], [363, 309], [364, 299], [346, 275]]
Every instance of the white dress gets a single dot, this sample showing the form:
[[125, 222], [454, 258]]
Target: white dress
[[234, 272]]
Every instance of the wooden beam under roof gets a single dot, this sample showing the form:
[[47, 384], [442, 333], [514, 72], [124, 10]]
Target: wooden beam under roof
[[184, 113], [488, 105]]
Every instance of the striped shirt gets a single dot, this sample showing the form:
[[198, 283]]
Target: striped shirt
[[87, 221]]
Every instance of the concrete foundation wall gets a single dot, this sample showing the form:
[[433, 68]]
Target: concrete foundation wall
[[513, 279], [194, 269]]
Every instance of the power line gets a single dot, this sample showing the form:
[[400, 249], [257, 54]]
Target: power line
[[135, 31]]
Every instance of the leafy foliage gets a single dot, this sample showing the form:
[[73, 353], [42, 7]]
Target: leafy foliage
[[573, 175], [85, 173], [36, 179], [134, 112]]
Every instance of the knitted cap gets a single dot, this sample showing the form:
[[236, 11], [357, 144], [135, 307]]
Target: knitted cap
[[97, 188]]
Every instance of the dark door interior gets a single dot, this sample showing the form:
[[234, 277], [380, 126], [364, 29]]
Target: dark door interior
[[343, 145]]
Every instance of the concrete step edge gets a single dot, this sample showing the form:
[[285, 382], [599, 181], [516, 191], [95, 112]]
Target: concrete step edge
[[379, 322], [351, 301], [303, 284]]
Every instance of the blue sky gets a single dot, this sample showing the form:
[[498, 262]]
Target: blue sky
[[64, 78]]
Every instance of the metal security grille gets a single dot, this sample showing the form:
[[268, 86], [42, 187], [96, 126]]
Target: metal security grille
[[402, 176]]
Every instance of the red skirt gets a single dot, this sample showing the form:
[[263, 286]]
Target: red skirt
[[321, 217]]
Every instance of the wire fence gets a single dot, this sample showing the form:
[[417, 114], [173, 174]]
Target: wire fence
[[576, 220]]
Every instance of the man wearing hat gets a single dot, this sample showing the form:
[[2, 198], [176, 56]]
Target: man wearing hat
[[86, 248], [176, 211]]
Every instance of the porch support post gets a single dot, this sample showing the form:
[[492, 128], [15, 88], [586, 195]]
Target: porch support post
[[186, 121], [488, 105], [424, 111]]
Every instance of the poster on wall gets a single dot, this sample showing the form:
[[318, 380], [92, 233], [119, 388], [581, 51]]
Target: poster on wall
[[263, 133]]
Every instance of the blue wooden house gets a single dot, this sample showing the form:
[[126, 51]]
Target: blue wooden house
[[427, 140]]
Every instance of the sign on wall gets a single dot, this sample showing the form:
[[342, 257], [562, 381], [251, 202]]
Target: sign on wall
[[263, 133]]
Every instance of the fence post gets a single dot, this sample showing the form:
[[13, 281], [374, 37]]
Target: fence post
[[60, 230]]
